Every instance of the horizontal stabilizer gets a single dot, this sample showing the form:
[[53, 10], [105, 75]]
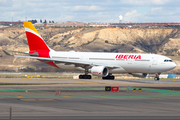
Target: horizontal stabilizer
[[7, 53], [12, 53]]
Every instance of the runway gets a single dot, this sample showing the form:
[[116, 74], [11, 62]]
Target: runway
[[88, 100]]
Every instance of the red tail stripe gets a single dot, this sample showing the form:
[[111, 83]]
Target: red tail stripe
[[35, 42]]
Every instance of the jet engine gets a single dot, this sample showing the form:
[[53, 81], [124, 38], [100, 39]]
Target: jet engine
[[141, 75], [100, 71]]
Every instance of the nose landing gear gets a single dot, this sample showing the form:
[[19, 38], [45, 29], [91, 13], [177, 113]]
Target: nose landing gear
[[157, 77]]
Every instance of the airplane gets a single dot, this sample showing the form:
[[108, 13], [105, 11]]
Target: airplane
[[96, 63]]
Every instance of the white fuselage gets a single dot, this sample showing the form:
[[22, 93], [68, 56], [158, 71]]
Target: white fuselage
[[123, 62]]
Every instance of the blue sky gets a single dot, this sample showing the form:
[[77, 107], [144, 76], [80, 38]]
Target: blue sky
[[91, 10]]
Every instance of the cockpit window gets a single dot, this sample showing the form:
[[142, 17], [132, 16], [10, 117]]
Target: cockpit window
[[168, 61]]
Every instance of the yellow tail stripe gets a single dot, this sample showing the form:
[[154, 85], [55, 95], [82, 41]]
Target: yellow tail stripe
[[30, 26]]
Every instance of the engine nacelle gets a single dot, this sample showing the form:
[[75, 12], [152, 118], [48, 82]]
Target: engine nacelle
[[141, 75], [100, 71]]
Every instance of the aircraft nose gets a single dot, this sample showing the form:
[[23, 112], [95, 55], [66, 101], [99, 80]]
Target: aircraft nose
[[170, 66], [174, 65]]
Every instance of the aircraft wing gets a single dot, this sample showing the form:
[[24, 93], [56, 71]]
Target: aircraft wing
[[66, 61]]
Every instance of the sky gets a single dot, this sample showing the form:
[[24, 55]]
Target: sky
[[106, 11]]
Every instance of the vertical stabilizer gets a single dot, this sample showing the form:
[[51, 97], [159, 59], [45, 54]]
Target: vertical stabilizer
[[35, 41]]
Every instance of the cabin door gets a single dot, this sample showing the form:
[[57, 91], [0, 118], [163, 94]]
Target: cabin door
[[154, 61]]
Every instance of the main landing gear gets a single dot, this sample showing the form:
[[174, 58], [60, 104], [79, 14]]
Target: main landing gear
[[157, 77], [109, 77], [89, 77], [84, 76]]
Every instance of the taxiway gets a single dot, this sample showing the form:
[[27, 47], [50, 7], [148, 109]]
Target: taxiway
[[83, 99]]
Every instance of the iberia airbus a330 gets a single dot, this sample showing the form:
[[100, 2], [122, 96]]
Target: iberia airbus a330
[[95, 63]]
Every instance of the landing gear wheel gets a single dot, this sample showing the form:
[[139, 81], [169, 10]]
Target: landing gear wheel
[[84, 76], [108, 78], [88, 76], [156, 78], [80, 76]]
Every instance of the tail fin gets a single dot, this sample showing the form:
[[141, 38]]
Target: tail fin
[[35, 41]]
